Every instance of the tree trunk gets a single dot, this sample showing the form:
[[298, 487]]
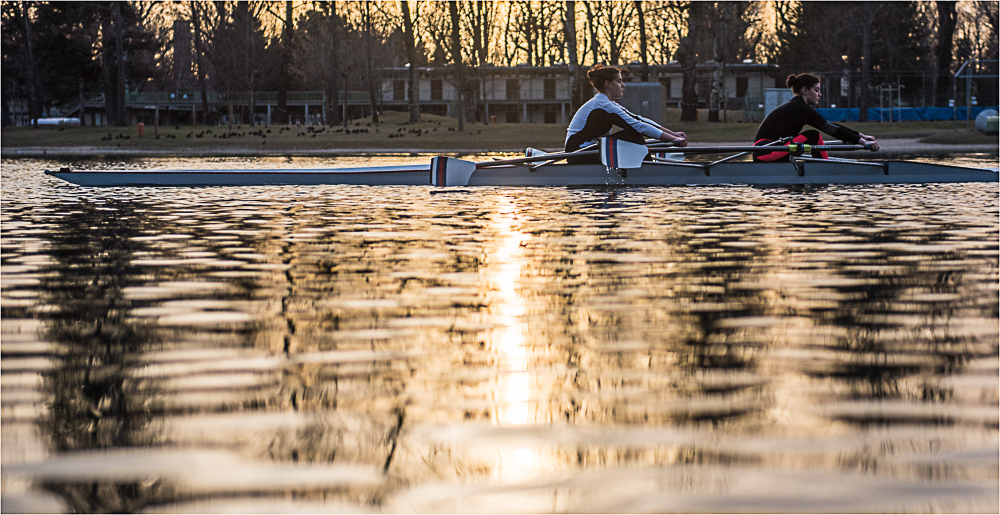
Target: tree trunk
[[369, 67], [412, 93], [947, 19], [456, 58], [333, 73], [281, 111], [249, 56], [478, 34], [592, 26], [343, 76], [23, 15], [120, 62], [112, 63], [614, 53], [202, 84], [569, 25], [83, 114], [686, 54], [866, 44], [718, 58], [643, 42]]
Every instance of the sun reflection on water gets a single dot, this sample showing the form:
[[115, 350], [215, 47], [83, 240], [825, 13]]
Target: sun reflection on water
[[513, 395]]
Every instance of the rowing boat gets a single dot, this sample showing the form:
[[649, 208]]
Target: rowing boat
[[622, 164], [649, 174]]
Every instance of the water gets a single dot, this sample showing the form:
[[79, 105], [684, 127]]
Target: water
[[404, 349]]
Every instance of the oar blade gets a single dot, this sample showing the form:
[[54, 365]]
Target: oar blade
[[619, 154], [449, 171], [668, 156]]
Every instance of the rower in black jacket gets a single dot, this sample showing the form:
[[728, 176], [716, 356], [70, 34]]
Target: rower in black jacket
[[788, 119]]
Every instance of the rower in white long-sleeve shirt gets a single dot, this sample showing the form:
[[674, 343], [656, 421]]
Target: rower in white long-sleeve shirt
[[599, 115]]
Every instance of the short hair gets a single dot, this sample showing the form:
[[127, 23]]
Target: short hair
[[802, 80], [600, 74]]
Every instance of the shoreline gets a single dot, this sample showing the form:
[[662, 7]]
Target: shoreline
[[890, 147]]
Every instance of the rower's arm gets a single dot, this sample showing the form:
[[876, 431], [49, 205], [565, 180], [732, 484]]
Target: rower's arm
[[849, 135], [679, 139], [840, 132]]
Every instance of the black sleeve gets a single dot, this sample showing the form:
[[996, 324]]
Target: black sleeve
[[840, 132]]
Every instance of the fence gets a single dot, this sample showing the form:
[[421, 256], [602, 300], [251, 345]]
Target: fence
[[904, 114]]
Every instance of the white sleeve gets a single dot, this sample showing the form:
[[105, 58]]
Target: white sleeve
[[646, 127], [644, 120]]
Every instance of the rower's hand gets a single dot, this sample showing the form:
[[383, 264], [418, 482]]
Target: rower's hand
[[680, 142], [869, 142]]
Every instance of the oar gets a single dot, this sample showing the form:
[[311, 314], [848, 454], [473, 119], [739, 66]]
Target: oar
[[649, 142], [775, 143], [575, 153], [615, 153], [793, 148], [451, 171]]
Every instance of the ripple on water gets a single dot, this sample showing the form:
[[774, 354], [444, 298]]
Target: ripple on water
[[356, 349]]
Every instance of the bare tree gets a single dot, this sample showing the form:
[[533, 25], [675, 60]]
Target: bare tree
[[456, 56], [735, 37], [237, 48], [724, 13], [667, 21], [287, 21], [409, 41], [947, 18], [592, 32], [687, 54], [643, 41], [616, 28], [864, 16], [481, 20], [113, 59], [198, 11], [528, 33], [988, 13], [316, 55], [334, 115], [372, 22], [569, 26], [20, 14]]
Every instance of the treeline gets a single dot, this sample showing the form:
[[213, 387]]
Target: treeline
[[57, 52]]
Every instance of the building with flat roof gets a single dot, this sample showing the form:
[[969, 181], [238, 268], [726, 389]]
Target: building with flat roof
[[541, 94], [517, 94]]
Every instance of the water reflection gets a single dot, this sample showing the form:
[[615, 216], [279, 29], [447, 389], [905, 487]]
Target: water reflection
[[517, 398], [96, 401], [500, 349], [503, 274]]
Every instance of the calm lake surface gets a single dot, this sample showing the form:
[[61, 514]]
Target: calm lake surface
[[410, 349]]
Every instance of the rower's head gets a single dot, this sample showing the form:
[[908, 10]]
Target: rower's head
[[607, 80], [805, 85]]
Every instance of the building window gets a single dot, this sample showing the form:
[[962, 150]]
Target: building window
[[436, 90], [550, 91], [399, 90], [513, 87], [741, 86], [550, 116], [472, 87]]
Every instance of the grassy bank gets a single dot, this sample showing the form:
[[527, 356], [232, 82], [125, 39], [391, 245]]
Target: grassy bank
[[393, 133]]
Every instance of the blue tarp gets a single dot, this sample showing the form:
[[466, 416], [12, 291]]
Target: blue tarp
[[905, 114]]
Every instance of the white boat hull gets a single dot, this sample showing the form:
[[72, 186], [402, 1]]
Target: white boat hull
[[649, 174]]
